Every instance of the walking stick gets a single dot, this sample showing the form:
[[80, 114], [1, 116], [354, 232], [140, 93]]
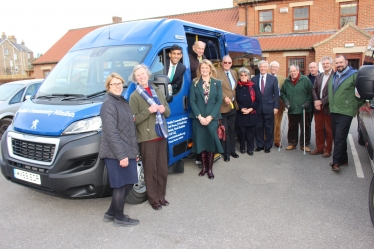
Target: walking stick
[[304, 128], [283, 124]]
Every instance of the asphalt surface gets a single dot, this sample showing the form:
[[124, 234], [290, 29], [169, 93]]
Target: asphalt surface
[[279, 200]]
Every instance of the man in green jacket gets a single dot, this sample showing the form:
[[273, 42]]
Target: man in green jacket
[[296, 93], [343, 107]]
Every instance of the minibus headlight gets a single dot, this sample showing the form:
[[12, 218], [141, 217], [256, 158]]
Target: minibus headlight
[[85, 125]]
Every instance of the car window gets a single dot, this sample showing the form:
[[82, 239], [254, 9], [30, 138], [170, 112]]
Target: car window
[[18, 97], [7, 90], [32, 89]]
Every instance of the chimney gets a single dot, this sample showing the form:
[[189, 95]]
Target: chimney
[[3, 36], [12, 38], [23, 43], [116, 19]]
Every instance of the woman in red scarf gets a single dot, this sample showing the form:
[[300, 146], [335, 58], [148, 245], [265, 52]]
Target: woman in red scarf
[[247, 100]]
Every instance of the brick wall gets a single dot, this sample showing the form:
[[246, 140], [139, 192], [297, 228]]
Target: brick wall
[[39, 70], [323, 15], [349, 35]]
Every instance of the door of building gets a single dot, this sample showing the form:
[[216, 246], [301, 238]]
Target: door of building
[[355, 63]]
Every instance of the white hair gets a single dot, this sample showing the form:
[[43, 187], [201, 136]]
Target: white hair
[[275, 63]]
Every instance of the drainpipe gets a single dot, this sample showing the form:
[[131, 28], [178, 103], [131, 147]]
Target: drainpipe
[[246, 20], [2, 46]]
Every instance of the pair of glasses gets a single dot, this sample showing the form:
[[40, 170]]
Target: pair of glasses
[[243, 75], [227, 62], [116, 84]]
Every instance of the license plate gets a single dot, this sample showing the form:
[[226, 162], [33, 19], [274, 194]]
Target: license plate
[[27, 176]]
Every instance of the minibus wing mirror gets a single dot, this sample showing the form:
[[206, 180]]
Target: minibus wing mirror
[[163, 83], [365, 82]]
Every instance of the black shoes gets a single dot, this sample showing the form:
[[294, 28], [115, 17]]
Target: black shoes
[[109, 218], [127, 222], [259, 149], [234, 155], [267, 150], [226, 158], [250, 153], [242, 151]]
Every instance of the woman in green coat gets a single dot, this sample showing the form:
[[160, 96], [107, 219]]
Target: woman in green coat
[[205, 101]]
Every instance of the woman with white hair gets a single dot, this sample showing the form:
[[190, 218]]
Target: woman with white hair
[[149, 106]]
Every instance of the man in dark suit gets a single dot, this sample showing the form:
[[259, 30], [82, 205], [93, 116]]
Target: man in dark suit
[[321, 111], [268, 85], [174, 68]]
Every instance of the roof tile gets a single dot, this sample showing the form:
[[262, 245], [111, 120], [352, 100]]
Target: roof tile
[[291, 42]]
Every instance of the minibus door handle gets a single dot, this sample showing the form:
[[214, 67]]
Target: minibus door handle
[[185, 103]]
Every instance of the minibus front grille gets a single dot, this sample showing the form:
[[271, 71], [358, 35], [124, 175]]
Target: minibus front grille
[[33, 151]]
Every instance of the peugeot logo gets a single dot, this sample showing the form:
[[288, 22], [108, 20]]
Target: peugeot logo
[[34, 124]]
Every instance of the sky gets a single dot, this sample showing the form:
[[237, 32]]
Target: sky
[[41, 23]]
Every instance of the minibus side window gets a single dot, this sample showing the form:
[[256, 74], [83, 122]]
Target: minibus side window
[[158, 67]]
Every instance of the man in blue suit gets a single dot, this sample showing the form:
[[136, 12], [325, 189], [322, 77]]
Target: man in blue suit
[[174, 68], [268, 85]]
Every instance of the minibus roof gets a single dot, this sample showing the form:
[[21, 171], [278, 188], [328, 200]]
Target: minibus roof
[[157, 32]]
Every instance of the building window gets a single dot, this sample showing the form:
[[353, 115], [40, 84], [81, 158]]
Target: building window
[[46, 72], [28, 56], [16, 68], [6, 51], [348, 13], [266, 21], [15, 57], [301, 18], [299, 61]]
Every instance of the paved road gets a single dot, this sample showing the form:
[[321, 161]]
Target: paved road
[[279, 200]]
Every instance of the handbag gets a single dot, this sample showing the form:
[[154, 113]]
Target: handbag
[[221, 132]]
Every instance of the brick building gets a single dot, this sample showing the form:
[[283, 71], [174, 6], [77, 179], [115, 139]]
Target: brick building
[[300, 32], [289, 31], [15, 58]]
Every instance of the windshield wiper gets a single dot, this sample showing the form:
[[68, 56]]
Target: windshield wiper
[[46, 97], [95, 94]]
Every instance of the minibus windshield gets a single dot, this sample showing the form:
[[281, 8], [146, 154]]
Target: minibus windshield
[[83, 72]]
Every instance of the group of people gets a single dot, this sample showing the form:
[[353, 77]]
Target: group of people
[[250, 109]]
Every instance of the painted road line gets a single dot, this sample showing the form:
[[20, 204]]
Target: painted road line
[[359, 172]]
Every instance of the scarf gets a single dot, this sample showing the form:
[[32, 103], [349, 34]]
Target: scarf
[[252, 92], [296, 80], [160, 119], [206, 88]]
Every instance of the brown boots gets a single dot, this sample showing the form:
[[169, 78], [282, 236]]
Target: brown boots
[[207, 159], [204, 160]]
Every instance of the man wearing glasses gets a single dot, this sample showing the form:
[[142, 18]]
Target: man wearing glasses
[[229, 79]]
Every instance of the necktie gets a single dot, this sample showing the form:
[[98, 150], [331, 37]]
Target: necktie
[[227, 73], [262, 85], [172, 73]]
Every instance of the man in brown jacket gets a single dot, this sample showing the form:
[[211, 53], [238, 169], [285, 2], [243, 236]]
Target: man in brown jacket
[[229, 80], [322, 113], [274, 68]]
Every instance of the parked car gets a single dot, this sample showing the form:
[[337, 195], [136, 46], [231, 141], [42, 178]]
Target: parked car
[[12, 94], [365, 117]]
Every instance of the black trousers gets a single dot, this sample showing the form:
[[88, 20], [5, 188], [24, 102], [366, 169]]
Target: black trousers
[[265, 130], [295, 120], [246, 134], [228, 120], [340, 125]]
